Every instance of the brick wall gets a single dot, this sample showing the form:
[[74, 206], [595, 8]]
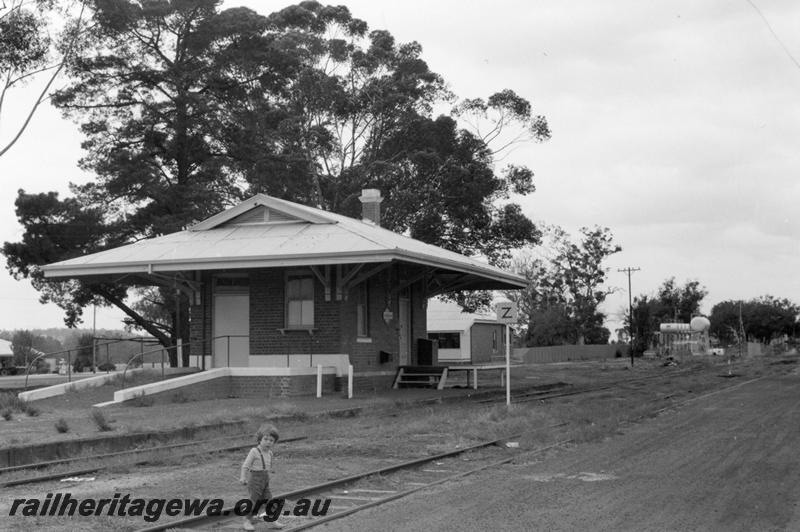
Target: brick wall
[[365, 352], [334, 321], [280, 386], [267, 317]]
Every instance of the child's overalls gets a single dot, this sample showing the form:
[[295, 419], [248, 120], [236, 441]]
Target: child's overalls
[[259, 483]]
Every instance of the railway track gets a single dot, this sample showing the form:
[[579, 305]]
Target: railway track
[[542, 395], [155, 453], [365, 490]]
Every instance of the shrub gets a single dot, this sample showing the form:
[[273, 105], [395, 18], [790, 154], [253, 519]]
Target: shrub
[[9, 400], [100, 420], [107, 366], [61, 425], [29, 409], [7, 413]]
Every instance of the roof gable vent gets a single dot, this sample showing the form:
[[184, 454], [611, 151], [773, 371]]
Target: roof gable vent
[[259, 215]]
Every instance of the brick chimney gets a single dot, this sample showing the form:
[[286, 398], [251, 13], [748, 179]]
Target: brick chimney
[[371, 206]]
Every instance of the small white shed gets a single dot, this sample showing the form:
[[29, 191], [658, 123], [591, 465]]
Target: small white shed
[[464, 337]]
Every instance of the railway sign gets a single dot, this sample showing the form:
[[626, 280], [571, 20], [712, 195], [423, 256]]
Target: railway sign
[[506, 312]]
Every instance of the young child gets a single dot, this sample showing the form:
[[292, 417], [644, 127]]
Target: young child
[[255, 472]]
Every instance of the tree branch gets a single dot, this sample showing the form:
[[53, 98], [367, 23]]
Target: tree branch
[[72, 43]]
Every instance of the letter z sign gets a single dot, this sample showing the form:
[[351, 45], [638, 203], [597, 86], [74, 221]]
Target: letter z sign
[[506, 312]]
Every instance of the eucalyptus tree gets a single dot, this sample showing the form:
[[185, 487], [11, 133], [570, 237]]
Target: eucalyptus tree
[[186, 109], [566, 286]]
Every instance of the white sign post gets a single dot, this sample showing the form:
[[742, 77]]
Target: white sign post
[[507, 313]]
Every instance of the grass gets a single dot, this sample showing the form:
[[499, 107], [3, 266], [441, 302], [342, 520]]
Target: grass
[[100, 421], [29, 409], [179, 397], [11, 404], [9, 400], [142, 400]]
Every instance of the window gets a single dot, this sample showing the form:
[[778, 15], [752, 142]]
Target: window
[[362, 310], [299, 301], [446, 340]]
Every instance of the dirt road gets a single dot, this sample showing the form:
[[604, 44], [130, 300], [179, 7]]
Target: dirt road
[[729, 461]]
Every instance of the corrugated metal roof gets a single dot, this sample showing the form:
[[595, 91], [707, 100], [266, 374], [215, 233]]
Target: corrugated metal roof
[[5, 348], [311, 237], [445, 316]]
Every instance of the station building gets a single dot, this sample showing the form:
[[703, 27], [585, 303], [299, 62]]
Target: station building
[[278, 288]]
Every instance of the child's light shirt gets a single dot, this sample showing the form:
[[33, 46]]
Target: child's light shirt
[[258, 460]]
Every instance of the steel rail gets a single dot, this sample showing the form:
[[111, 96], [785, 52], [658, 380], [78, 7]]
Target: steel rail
[[50, 463], [227, 513], [399, 495], [76, 472]]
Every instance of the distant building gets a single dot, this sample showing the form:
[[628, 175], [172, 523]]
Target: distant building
[[464, 337]]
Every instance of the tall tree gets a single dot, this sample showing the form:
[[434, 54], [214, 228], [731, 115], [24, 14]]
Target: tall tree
[[566, 289], [670, 304], [361, 116], [152, 96], [186, 109]]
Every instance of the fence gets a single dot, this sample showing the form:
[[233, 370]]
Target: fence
[[569, 353]]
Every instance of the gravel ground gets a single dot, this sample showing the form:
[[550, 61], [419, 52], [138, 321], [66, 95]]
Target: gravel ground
[[338, 447], [724, 462]]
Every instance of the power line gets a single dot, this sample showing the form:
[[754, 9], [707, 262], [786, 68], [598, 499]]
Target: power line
[[778, 39]]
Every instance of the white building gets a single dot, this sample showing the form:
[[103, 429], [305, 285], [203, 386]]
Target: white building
[[464, 337]]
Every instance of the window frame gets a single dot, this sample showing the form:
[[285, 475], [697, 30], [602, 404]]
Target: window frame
[[446, 339], [305, 302]]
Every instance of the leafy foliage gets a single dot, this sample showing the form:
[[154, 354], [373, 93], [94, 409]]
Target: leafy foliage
[[764, 319], [83, 357], [560, 304], [56, 230], [28, 52], [23, 41], [670, 304], [27, 346]]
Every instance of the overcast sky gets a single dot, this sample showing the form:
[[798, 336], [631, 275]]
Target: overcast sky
[[675, 123]]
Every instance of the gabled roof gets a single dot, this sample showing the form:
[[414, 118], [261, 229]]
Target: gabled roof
[[263, 232], [445, 316], [5, 348]]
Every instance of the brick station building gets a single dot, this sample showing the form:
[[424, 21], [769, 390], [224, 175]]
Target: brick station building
[[275, 284]]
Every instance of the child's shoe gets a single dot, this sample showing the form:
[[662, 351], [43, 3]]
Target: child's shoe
[[277, 525], [247, 525]]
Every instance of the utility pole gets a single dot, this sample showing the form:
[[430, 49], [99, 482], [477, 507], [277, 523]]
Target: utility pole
[[94, 340], [629, 271]]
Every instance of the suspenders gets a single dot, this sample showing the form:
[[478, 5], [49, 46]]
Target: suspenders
[[263, 463]]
